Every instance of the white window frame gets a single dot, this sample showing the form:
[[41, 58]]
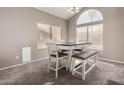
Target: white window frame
[[52, 30], [87, 25], [48, 28], [92, 22]]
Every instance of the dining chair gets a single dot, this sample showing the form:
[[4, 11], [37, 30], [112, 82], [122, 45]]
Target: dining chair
[[57, 59], [84, 57]]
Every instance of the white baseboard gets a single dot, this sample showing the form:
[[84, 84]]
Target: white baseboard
[[47, 58], [23, 63], [109, 60]]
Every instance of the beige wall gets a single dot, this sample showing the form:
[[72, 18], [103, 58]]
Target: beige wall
[[18, 28], [113, 32]]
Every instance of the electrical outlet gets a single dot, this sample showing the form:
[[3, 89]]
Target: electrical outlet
[[17, 57]]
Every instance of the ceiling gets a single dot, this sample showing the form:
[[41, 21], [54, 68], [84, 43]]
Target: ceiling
[[57, 11]]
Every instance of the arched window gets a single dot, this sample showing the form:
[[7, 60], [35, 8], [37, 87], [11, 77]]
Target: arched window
[[89, 28]]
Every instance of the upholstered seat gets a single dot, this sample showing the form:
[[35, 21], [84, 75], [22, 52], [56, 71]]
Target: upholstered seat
[[63, 50], [85, 55], [60, 54], [79, 50]]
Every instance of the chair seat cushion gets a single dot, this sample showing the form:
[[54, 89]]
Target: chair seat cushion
[[85, 55], [77, 50], [60, 54], [63, 50]]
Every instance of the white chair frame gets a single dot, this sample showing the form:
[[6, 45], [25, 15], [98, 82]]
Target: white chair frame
[[53, 49], [84, 72]]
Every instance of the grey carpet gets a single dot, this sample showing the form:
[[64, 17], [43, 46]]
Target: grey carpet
[[35, 74]]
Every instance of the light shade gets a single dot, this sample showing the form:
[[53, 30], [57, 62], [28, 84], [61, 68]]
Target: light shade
[[73, 10]]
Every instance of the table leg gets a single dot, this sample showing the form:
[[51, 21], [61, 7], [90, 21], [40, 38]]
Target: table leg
[[70, 61]]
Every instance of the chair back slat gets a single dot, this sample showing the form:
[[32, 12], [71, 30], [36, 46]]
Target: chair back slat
[[52, 47]]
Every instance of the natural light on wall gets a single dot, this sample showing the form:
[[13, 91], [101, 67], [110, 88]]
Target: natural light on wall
[[89, 28], [43, 35], [47, 32], [56, 33]]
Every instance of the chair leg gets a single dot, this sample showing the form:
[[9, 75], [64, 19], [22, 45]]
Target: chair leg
[[67, 67], [83, 70], [56, 74], [73, 66], [48, 70], [95, 59], [48, 65], [57, 68], [66, 63]]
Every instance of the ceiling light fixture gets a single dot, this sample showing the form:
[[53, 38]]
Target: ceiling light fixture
[[73, 10]]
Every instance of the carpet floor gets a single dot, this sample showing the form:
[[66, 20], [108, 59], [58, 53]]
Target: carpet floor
[[35, 74]]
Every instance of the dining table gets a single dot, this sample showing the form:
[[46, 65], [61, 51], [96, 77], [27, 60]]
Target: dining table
[[70, 46]]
